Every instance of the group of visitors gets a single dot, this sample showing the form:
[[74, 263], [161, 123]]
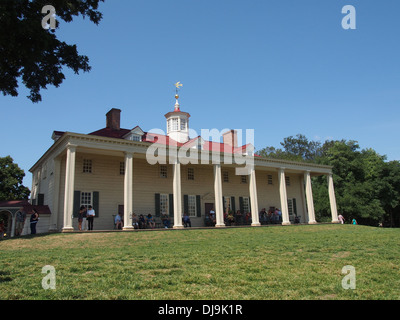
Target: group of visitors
[[143, 222], [273, 216], [86, 218], [342, 220], [230, 218], [236, 219]]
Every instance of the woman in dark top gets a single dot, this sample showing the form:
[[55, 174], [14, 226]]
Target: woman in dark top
[[81, 215], [34, 220]]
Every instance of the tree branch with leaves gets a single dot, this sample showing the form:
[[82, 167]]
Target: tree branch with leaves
[[34, 55]]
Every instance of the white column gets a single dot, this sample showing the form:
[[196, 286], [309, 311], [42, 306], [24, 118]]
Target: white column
[[69, 188], [177, 195], [303, 199], [310, 200], [332, 199], [253, 198], [56, 195], [13, 223], [283, 196], [219, 208], [128, 191]]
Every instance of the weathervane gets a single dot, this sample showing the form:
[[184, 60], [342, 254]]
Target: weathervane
[[177, 85]]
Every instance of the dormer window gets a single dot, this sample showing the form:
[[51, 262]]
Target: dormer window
[[135, 137], [135, 134]]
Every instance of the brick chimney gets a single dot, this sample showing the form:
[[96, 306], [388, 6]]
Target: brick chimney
[[113, 119], [230, 138]]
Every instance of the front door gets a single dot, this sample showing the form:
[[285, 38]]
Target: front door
[[208, 208]]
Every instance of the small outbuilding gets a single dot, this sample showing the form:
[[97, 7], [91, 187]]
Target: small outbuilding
[[12, 214]]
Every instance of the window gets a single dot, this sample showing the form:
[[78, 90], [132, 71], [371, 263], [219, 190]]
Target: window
[[122, 168], [169, 125], [135, 137], [86, 199], [175, 124], [287, 179], [163, 171], [192, 206], [190, 174], [269, 178], [87, 166], [246, 204], [243, 179], [225, 176], [164, 205], [183, 124]]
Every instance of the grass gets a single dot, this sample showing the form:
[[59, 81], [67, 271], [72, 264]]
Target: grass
[[293, 262]]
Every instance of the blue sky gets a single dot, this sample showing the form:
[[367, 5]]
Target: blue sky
[[280, 67]]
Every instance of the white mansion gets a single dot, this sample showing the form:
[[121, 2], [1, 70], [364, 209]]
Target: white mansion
[[110, 170]]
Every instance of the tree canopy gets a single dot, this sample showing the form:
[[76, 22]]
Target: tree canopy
[[367, 187], [30, 53], [11, 176]]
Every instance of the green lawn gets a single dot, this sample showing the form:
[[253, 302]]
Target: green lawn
[[293, 262]]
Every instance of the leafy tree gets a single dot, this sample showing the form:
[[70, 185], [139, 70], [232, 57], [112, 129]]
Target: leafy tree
[[33, 54], [367, 187], [297, 148], [389, 192], [11, 176], [356, 175]]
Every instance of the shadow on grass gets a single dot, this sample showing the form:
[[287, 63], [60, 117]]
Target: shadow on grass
[[4, 276], [30, 236]]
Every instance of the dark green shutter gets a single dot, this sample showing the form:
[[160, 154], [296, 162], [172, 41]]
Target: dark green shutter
[[77, 203], [157, 204], [185, 204], [96, 203], [233, 205], [171, 205], [40, 199], [198, 206], [250, 205], [294, 206], [241, 208], [223, 204]]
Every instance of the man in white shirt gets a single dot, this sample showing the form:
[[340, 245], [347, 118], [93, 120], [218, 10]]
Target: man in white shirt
[[90, 217]]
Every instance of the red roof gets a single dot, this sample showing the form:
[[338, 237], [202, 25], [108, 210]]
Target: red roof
[[107, 132], [28, 208], [207, 146], [165, 140]]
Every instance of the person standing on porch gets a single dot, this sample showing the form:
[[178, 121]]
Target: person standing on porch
[[90, 217], [82, 218]]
